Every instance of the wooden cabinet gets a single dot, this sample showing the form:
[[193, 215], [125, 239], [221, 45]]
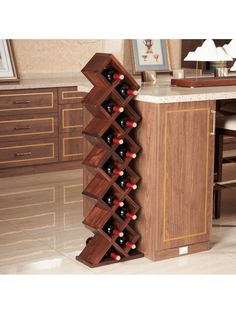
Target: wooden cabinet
[[40, 129], [71, 124], [176, 166]]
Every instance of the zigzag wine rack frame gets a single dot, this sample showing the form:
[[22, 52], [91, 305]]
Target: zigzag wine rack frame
[[112, 188]]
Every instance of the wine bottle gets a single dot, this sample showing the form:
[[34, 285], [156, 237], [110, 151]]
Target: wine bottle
[[124, 242], [124, 212], [110, 138], [110, 107], [124, 90], [111, 169], [88, 240], [110, 199], [124, 183], [112, 254], [111, 230], [123, 152], [111, 75], [124, 122]]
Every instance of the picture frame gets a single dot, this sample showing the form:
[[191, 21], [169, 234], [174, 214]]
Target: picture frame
[[150, 55], [8, 70]]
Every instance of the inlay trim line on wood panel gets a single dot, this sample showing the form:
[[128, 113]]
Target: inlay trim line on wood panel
[[63, 119], [71, 97], [165, 176], [63, 146]]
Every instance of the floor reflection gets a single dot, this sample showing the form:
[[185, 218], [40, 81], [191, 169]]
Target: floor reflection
[[41, 220], [41, 231]]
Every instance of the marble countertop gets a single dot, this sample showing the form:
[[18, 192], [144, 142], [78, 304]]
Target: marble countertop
[[164, 93], [160, 92]]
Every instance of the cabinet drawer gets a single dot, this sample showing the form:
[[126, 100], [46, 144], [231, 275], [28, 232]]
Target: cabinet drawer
[[25, 102], [71, 147], [39, 126], [13, 154], [71, 118], [70, 95]]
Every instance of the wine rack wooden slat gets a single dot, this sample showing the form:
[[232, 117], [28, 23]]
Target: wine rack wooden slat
[[98, 249]]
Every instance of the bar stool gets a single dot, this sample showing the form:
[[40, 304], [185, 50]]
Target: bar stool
[[225, 125]]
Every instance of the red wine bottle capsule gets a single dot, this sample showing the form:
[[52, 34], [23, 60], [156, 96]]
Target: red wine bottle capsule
[[110, 138], [118, 203], [118, 109], [117, 140], [124, 242], [130, 155], [115, 256], [124, 121], [111, 169], [111, 75], [130, 245], [123, 152], [131, 123], [130, 185], [131, 215], [119, 172], [110, 107], [111, 230], [124, 183], [124, 90], [118, 233], [111, 200], [123, 212]]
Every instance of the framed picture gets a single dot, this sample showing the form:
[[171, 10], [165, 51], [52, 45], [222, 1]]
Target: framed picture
[[150, 55], [8, 71]]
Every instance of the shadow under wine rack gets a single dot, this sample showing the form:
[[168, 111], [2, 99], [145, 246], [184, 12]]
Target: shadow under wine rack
[[107, 247]]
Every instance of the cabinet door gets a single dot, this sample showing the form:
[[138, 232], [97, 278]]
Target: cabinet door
[[71, 147], [186, 174], [71, 118]]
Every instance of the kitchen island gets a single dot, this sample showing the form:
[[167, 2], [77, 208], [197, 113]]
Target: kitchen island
[[176, 165]]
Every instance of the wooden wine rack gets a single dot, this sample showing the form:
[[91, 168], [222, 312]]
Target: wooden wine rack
[[93, 254]]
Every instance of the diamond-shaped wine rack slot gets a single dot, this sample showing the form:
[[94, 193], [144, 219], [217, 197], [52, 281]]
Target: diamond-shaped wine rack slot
[[112, 188]]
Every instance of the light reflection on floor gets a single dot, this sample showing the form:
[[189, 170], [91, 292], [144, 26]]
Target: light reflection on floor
[[41, 231]]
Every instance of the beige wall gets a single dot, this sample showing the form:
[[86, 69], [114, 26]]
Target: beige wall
[[55, 56]]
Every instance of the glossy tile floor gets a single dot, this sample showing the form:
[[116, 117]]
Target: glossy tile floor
[[41, 231]]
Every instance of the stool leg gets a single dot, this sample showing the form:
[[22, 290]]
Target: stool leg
[[218, 170]]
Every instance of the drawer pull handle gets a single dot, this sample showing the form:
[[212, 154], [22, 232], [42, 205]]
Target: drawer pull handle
[[23, 154], [27, 127], [21, 102]]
